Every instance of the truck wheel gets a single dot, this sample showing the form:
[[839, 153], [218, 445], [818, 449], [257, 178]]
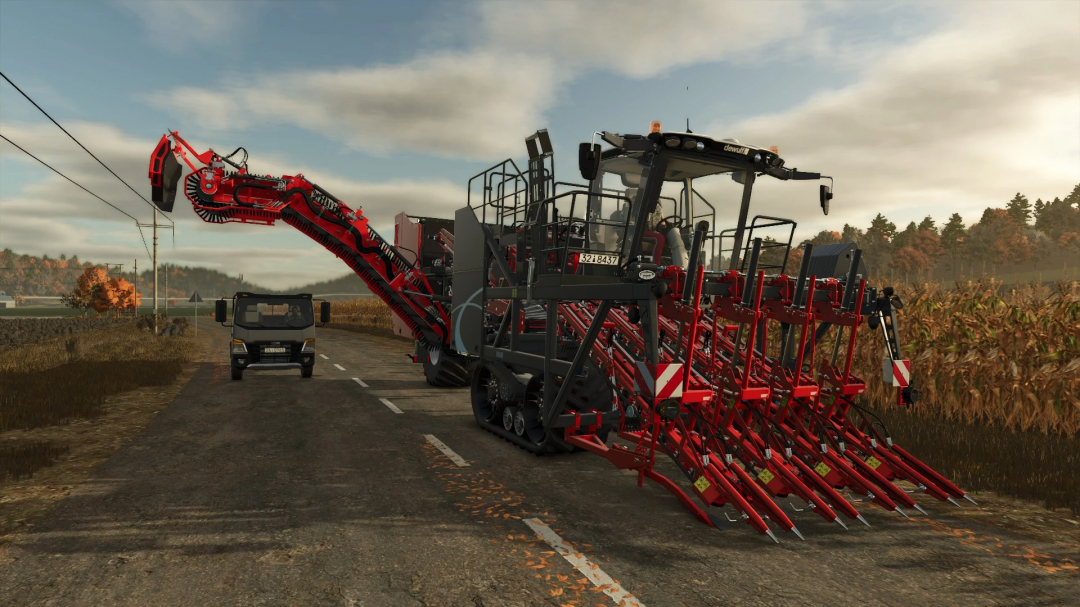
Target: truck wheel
[[306, 371], [237, 373]]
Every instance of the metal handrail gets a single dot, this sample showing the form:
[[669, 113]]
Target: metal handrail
[[568, 220]]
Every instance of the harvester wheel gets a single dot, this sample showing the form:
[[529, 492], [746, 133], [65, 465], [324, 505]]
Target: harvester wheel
[[444, 370], [508, 416], [531, 422], [484, 394]]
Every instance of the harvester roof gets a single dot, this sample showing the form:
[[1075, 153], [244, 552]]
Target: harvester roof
[[692, 155]]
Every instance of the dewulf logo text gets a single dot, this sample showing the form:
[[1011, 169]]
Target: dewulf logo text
[[736, 149]]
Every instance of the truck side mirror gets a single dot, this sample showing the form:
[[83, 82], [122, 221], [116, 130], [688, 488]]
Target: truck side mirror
[[589, 160], [220, 310], [826, 196], [324, 312]]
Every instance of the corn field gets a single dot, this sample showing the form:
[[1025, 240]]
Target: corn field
[[369, 315], [984, 354]]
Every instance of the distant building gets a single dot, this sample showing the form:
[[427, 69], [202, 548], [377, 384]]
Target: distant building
[[6, 301]]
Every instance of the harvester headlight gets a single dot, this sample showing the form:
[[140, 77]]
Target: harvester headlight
[[672, 142], [757, 157], [700, 145], [689, 143], [309, 345], [239, 347]]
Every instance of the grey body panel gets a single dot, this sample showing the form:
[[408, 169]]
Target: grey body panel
[[834, 260], [467, 314]]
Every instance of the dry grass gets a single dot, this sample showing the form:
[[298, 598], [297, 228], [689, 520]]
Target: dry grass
[[118, 343], [22, 460], [75, 390], [1043, 468], [70, 377]]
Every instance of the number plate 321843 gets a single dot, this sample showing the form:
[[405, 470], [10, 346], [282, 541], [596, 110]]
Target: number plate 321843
[[596, 258]]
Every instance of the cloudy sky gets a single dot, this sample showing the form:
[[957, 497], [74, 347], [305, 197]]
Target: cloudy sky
[[914, 108]]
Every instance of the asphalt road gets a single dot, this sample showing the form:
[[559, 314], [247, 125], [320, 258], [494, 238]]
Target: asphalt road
[[277, 490]]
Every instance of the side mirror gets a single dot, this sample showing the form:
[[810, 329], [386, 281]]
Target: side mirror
[[826, 196], [220, 310], [589, 160], [324, 312]]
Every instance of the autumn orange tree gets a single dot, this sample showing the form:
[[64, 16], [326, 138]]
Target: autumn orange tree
[[84, 295], [95, 290], [116, 294]]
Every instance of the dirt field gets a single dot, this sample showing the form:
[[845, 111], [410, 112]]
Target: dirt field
[[282, 491]]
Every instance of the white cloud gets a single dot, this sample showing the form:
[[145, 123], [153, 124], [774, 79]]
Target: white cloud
[[451, 104], [640, 38], [477, 103], [957, 121], [180, 25]]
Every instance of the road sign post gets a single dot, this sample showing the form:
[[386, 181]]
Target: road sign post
[[195, 298]]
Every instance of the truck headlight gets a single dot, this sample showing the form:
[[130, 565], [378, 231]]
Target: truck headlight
[[309, 345], [239, 347]]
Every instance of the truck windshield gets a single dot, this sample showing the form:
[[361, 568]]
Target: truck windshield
[[273, 313]]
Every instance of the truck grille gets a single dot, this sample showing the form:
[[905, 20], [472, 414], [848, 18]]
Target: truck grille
[[291, 354]]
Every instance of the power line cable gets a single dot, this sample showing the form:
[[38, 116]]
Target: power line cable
[[85, 190], [80, 144]]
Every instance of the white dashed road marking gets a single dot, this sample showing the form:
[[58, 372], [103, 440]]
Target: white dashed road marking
[[361, 382], [324, 357], [389, 405], [454, 457], [340, 368], [593, 572]]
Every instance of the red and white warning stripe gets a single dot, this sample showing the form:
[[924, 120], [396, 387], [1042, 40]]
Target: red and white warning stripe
[[658, 381], [897, 372]]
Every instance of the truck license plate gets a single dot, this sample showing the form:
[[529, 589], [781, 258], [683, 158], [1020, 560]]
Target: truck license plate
[[596, 258], [274, 350]]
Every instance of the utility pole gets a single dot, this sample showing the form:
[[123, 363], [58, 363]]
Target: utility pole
[[155, 226], [155, 271]]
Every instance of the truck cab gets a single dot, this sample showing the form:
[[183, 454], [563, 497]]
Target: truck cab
[[272, 331]]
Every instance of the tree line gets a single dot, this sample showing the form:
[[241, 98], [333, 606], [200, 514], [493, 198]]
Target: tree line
[[1021, 233]]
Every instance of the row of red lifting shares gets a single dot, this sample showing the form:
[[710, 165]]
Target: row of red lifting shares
[[742, 426]]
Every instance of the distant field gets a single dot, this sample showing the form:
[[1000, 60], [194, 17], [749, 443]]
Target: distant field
[[207, 310]]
